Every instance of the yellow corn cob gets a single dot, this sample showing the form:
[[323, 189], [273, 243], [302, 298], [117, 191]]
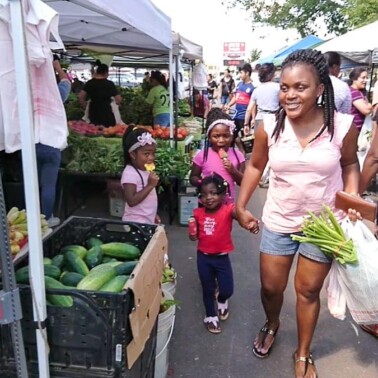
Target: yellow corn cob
[[21, 217], [13, 214], [150, 167]]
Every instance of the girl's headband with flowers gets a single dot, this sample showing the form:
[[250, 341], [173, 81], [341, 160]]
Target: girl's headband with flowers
[[145, 138], [227, 122]]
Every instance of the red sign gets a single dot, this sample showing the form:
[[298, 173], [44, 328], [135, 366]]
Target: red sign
[[230, 62], [233, 49]]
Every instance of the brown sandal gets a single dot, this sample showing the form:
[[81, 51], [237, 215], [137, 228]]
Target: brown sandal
[[307, 360], [266, 331]]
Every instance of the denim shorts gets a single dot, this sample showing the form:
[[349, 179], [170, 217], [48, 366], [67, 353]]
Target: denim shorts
[[281, 244]]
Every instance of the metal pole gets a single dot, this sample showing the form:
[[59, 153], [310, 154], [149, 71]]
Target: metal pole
[[171, 127], [176, 97], [24, 100]]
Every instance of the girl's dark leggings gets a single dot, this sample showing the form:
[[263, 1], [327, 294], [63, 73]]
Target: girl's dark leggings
[[213, 269]]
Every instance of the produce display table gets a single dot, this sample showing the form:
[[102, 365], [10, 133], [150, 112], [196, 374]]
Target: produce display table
[[67, 185]]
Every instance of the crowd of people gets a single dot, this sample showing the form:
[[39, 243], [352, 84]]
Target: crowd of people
[[307, 130]]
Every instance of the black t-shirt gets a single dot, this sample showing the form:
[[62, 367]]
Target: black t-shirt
[[100, 92], [211, 85], [227, 86]]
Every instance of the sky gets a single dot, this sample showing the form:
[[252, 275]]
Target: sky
[[210, 24]]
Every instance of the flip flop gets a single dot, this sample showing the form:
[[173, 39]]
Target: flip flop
[[307, 360], [266, 331], [372, 329]]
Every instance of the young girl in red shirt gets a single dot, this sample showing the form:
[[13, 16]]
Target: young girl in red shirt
[[214, 226]]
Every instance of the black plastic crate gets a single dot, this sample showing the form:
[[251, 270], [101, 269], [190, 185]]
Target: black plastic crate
[[89, 338]]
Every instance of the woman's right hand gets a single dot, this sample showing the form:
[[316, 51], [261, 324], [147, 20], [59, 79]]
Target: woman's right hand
[[248, 221], [153, 179]]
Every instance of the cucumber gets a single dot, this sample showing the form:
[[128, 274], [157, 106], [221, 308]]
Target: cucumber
[[47, 261], [55, 299], [93, 257], [58, 261], [71, 278], [78, 249], [115, 285], [52, 271], [76, 263], [92, 242], [122, 251], [105, 265], [97, 279], [107, 259], [126, 267], [22, 275]]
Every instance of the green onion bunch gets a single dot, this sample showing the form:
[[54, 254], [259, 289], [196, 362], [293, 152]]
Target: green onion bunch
[[325, 232]]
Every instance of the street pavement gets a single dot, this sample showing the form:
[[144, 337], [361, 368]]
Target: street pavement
[[340, 348]]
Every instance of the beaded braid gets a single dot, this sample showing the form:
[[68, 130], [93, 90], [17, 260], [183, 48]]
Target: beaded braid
[[327, 101], [216, 114]]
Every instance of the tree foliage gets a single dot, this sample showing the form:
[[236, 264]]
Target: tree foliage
[[305, 15], [254, 55]]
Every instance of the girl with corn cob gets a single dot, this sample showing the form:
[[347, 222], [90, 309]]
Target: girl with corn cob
[[138, 179], [219, 154], [312, 154]]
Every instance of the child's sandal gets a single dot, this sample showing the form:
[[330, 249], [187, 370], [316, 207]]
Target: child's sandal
[[212, 324]]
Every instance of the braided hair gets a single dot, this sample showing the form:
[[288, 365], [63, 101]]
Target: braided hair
[[130, 137], [216, 114], [220, 183], [314, 59]]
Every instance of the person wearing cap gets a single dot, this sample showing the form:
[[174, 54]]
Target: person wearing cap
[[243, 93]]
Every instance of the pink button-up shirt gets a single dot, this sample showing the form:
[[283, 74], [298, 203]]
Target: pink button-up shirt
[[302, 179]]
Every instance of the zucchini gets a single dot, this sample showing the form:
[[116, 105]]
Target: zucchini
[[76, 263], [52, 271], [56, 299], [126, 267], [47, 261], [71, 278], [122, 251], [78, 249], [93, 257], [22, 275], [115, 285], [92, 242], [105, 265], [58, 261], [97, 279]]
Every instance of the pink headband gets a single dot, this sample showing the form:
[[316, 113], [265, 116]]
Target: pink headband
[[227, 122]]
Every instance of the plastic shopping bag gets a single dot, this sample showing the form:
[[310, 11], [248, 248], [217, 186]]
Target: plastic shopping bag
[[336, 297], [359, 282]]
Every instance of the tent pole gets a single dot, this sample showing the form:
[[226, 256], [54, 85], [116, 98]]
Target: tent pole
[[24, 98], [171, 133], [176, 97]]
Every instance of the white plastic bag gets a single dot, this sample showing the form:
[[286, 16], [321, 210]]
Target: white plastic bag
[[359, 283], [336, 297], [200, 76]]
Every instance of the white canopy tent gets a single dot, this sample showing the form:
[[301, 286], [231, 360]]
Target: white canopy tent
[[356, 46], [86, 23]]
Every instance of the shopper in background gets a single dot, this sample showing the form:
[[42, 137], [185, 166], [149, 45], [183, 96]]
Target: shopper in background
[[158, 97], [264, 99], [243, 93], [312, 154], [211, 88], [226, 87], [201, 104], [48, 158], [77, 85], [100, 92], [214, 226], [343, 97], [139, 182], [219, 154], [360, 105]]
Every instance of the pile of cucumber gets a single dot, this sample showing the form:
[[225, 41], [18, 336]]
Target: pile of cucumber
[[96, 267]]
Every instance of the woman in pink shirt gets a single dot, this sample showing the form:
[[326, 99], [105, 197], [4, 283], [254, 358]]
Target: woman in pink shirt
[[312, 154]]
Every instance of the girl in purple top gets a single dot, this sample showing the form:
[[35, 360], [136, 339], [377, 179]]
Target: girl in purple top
[[360, 106], [138, 182], [219, 154]]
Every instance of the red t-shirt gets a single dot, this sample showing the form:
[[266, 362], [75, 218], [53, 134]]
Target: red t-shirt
[[214, 229]]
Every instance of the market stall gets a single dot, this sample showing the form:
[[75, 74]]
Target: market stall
[[107, 14]]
